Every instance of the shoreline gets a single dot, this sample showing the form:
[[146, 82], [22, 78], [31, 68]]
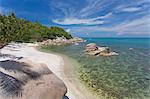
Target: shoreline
[[72, 80], [34, 78], [58, 64]]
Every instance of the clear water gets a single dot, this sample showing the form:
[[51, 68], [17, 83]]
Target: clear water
[[126, 76]]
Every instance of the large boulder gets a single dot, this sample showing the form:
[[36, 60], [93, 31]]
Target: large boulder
[[91, 47], [100, 51], [104, 49], [27, 80]]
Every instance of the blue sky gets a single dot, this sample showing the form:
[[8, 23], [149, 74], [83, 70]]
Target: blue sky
[[96, 18]]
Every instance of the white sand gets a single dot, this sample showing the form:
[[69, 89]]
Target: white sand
[[54, 62]]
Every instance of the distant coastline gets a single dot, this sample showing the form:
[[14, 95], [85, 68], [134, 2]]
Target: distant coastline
[[118, 37]]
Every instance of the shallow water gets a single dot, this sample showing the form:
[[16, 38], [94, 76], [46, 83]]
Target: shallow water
[[118, 77]]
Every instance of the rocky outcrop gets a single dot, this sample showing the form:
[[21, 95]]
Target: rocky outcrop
[[2, 45], [24, 79], [93, 49], [62, 41]]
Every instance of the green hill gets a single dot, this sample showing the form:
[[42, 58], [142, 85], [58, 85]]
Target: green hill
[[20, 30]]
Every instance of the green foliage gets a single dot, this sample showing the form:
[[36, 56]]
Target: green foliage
[[19, 30], [57, 31]]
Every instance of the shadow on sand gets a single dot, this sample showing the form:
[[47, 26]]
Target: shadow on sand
[[10, 84], [65, 97]]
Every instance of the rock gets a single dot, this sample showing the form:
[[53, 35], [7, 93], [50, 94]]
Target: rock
[[93, 49], [91, 45], [62, 41], [96, 52], [2, 45], [27, 80], [76, 44], [104, 49], [108, 54]]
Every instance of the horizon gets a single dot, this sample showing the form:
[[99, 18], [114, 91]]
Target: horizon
[[120, 37], [86, 18], [74, 49]]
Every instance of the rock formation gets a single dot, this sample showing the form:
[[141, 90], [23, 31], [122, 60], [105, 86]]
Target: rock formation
[[24, 79], [2, 45], [93, 49], [62, 41]]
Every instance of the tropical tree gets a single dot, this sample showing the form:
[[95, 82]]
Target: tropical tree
[[20, 30]]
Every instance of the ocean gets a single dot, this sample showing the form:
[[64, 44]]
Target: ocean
[[126, 76]]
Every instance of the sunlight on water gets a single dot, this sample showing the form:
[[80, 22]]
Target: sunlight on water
[[118, 77]]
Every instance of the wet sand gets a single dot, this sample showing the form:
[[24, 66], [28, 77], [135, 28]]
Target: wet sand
[[72, 80], [70, 77]]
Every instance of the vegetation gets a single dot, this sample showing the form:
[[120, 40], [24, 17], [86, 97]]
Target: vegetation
[[20, 30]]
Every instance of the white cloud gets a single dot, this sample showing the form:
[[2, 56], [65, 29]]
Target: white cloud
[[64, 7], [71, 21], [82, 16], [91, 21], [70, 11], [135, 27], [93, 6], [138, 26], [131, 9], [103, 17]]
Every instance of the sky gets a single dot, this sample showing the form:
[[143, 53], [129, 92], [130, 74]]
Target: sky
[[86, 18]]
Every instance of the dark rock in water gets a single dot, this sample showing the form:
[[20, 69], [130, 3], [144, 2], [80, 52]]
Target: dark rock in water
[[24, 81]]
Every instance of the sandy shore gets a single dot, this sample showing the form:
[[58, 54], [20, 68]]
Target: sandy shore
[[55, 63]]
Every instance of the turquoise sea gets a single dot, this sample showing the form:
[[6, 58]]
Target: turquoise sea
[[126, 76]]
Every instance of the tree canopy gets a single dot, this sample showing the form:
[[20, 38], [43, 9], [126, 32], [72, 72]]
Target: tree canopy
[[20, 30]]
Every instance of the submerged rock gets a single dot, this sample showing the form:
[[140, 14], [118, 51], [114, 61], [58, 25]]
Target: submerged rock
[[93, 49]]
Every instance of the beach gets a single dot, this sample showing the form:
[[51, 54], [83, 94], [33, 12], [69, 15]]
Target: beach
[[92, 77], [112, 76], [54, 62]]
